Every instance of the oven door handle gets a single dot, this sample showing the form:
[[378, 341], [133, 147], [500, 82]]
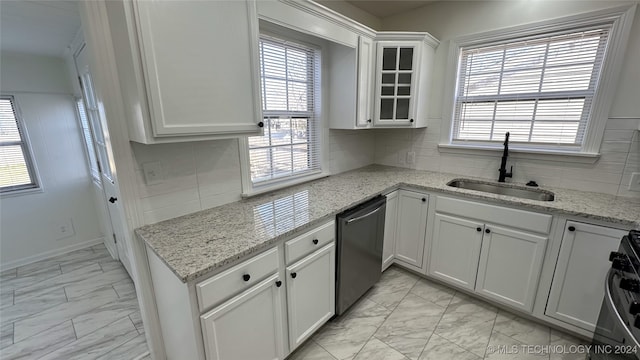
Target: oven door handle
[[608, 299]]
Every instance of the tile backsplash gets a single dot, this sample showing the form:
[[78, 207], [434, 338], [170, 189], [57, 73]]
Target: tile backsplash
[[611, 173], [201, 175], [194, 176]]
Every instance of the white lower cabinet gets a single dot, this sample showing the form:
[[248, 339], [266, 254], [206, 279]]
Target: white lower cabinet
[[390, 223], [411, 225], [310, 294], [510, 266], [455, 250], [577, 288], [405, 229], [501, 263], [249, 326]]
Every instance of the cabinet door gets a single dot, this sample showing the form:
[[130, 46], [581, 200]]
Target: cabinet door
[[455, 250], [577, 288], [366, 63], [311, 293], [396, 79], [411, 226], [200, 80], [390, 225], [510, 265], [248, 326]]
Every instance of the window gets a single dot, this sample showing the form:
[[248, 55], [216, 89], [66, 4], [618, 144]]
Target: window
[[16, 167], [290, 145], [540, 90], [549, 84]]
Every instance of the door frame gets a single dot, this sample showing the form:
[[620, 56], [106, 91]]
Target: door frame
[[99, 189], [97, 33]]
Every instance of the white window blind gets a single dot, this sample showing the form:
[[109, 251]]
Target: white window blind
[[16, 168], [88, 140], [540, 89], [290, 144]]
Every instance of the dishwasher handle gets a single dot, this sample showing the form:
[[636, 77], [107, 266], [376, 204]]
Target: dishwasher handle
[[363, 216]]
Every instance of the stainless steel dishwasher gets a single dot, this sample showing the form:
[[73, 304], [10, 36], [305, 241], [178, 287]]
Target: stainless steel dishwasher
[[359, 262]]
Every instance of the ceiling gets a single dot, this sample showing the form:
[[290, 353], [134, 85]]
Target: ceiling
[[384, 8], [38, 27]]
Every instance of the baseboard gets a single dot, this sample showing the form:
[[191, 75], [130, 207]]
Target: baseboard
[[49, 254]]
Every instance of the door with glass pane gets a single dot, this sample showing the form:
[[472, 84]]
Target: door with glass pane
[[105, 183], [395, 82]]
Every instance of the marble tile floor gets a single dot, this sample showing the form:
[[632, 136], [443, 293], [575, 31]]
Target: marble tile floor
[[80, 305], [406, 317]]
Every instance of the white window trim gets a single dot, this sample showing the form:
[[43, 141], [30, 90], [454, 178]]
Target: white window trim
[[248, 189], [31, 162], [622, 19]]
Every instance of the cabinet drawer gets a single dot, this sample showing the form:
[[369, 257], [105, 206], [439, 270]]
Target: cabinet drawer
[[230, 282], [306, 243], [515, 218]]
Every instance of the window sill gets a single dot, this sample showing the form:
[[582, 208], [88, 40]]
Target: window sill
[[22, 192], [531, 154], [287, 182]]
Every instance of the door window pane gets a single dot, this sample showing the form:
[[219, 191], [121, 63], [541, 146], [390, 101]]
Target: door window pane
[[388, 78], [389, 58], [402, 109], [404, 78], [406, 58], [386, 108], [404, 90]]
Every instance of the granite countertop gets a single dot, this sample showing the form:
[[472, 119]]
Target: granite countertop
[[195, 244]]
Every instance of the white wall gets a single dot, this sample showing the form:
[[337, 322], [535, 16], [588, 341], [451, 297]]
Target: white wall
[[449, 19], [27, 222], [206, 174]]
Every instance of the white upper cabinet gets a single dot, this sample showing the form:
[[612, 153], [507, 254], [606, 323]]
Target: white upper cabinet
[[396, 82], [402, 79], [391, 88], [183, 75], [366, 65], [200, 79]]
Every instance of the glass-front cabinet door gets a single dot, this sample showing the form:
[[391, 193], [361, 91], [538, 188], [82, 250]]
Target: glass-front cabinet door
[[395, 82]]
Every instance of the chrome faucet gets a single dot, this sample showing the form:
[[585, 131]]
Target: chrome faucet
[[503, 165]]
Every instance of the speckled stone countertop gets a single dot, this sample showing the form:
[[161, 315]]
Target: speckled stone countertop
[[195, 244]]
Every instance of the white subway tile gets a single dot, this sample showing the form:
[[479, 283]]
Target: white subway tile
[[170, 199], [618, 135], [165, 213], [209, 202], [598, 176], [593, 186], [615, 146], [622, 124]]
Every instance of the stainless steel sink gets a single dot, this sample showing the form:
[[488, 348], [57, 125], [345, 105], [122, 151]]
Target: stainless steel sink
[[503, 189]]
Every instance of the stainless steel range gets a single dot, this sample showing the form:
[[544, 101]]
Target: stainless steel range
[[617, 334]]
